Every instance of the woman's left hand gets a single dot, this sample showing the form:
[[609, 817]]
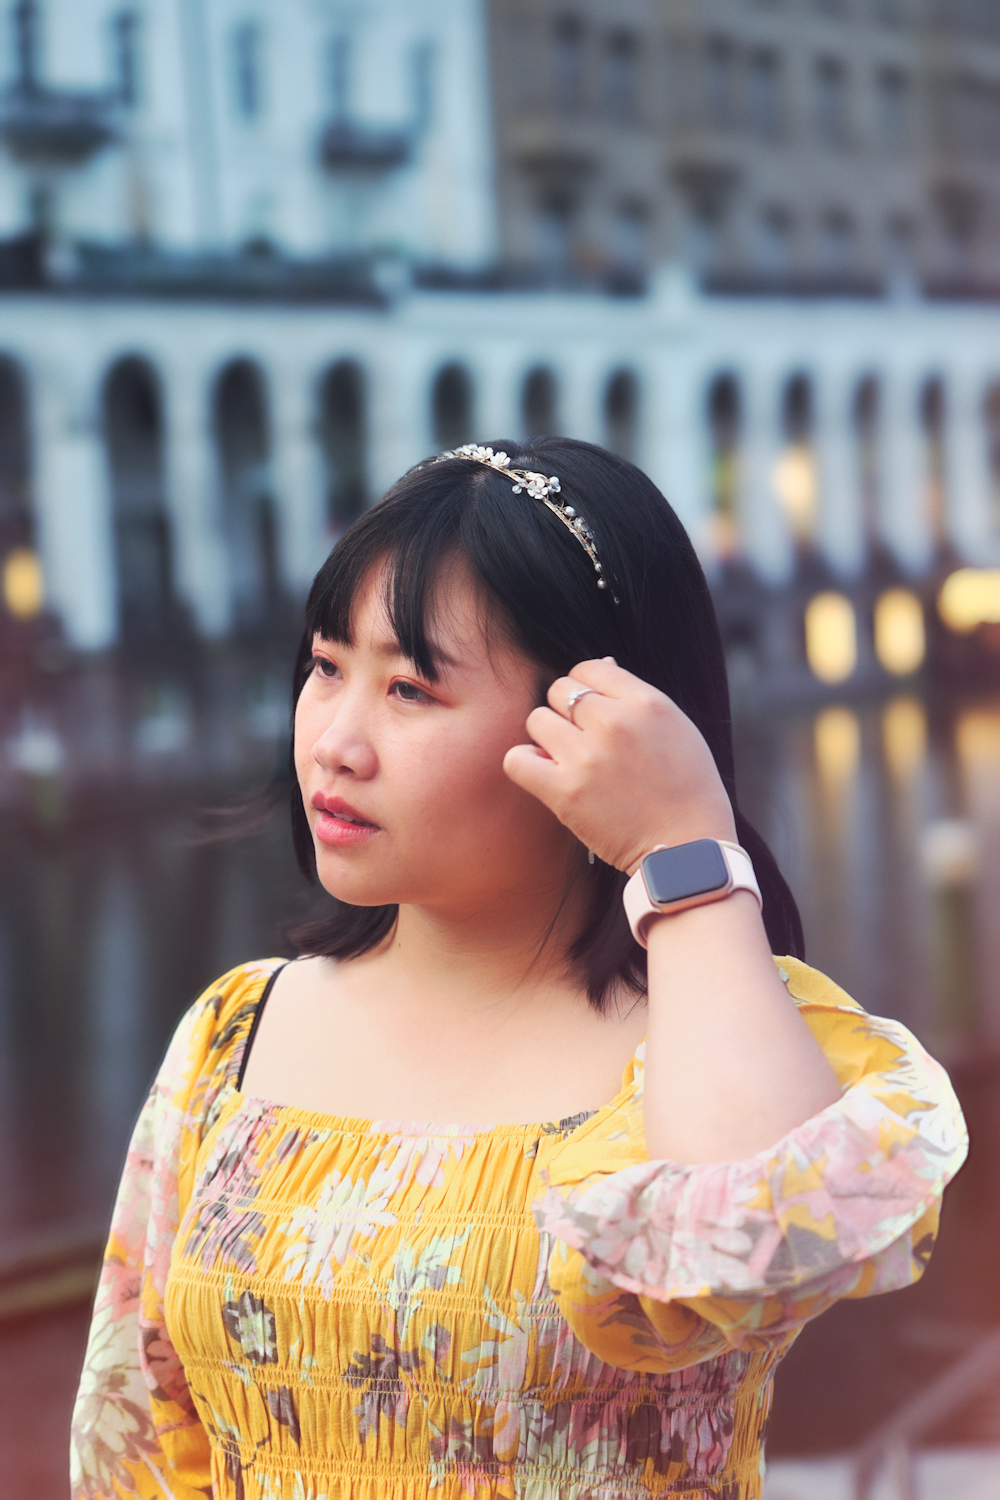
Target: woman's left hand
[[628, 771]]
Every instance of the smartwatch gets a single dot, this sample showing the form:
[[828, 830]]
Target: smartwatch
[[674, 879]]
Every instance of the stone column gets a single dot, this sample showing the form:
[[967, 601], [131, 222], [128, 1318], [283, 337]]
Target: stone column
[[73, 503], [298, 474], [763, 527], [194, 498], [903, 518], [969, 498], [840, 525], [673, 440]]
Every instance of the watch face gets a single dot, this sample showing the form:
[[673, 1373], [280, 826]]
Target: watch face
[[687, 870]]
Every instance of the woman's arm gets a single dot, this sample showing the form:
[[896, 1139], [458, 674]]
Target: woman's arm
[[731, 1065]]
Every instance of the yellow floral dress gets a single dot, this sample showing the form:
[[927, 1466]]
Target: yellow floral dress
[[295, 1306]]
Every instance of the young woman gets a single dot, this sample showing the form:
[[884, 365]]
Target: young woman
[[662, 1150]]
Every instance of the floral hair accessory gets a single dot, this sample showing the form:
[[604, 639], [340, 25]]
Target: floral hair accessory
[[539, 487]]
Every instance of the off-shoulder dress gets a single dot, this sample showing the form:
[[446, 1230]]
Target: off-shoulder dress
[[296, 1306]]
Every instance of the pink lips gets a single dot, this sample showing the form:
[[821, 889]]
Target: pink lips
[[339, 824]]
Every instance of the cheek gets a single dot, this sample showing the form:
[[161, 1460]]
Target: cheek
[[462, 771]]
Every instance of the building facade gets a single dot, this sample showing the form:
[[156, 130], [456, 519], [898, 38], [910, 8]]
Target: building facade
[[184, 463], [793, 145], [218, 125]]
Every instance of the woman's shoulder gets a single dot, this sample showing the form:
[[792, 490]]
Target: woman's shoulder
[[208, 1044]]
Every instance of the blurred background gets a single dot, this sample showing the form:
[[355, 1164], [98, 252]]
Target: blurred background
[[255, 260]]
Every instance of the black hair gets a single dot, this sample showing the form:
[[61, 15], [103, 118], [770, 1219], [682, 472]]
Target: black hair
[[540, 588]]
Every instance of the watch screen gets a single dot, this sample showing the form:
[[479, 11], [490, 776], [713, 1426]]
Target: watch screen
[[687, 870]]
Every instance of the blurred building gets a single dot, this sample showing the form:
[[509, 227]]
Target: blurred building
[[257, 259], [793, 145], [219, 125]]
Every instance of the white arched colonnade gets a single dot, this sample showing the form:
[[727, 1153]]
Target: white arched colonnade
[[640, 374]]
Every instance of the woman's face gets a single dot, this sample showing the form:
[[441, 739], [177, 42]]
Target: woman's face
[[402, 778]]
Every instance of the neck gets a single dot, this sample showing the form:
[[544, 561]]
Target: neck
[[498, 955]]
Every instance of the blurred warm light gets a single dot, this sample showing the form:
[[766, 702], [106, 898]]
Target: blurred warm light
[[949, 853], [838, 744], [977, 737], [970, 597], [900, 643], [831, 637], [904, 736], [23, 585], [795, 486]]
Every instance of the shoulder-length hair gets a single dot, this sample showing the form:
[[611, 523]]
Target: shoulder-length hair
[[656, 618]]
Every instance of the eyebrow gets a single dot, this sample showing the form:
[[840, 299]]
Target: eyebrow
[[388, 648]]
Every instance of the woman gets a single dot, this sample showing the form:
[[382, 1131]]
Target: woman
[[510, 692]]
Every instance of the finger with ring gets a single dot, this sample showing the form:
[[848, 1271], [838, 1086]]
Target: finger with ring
[[574, 697]]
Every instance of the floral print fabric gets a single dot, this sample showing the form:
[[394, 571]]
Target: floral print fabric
[[300, 1307]]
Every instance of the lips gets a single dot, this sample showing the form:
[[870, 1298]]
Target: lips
[[340, 825]]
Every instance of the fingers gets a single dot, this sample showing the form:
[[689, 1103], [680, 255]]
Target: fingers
[[607, 677], [533, 771], [556, 735]]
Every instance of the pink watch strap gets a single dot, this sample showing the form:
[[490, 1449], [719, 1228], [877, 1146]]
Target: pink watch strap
[[639, 908]]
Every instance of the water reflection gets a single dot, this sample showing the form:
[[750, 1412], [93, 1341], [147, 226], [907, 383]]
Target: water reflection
[[108, 930]]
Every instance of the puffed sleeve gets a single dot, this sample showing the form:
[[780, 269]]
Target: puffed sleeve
[[135, 1431], [658, 1266]]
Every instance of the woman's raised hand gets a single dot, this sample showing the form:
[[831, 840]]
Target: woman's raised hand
[[623, 768]]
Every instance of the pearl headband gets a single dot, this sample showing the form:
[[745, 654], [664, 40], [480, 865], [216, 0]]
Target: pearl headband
[[539, 488]]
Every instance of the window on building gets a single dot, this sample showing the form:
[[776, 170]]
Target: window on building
[[621, 76], [248, 79], [554, 226], [837, 244], [26, 40], [764, 96], [774, 243], [338, 74], [888, 12], [720, 82], [422, 60], [629, 230], [830, 102], [900, 248], [567, 64], [893, 103], [125, 57]]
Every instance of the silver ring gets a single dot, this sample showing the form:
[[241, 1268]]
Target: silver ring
[[575, 695]]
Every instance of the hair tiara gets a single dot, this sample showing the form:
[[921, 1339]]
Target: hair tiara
[[539, 487]]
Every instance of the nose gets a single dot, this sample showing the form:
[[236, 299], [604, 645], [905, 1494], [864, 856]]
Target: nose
[[345, 745]]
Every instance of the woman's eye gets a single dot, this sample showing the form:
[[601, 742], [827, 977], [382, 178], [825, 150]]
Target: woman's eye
[[408, 692], [324, 667]]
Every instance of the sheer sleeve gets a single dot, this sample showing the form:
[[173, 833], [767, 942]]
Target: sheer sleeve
[[658, 1266], [135, 1431]]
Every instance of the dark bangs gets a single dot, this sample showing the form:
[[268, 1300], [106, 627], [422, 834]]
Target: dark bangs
[[539, 590]]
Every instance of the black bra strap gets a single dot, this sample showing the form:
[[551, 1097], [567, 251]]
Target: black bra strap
[[259, 1011]]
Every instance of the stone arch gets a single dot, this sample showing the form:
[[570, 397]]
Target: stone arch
[[621, 413], [540, 402], [452, 407], [343, 436], [796, 478], [134, 441], [242, 434], [724, 413], [932, 411], [991, 422], [866, 411]]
